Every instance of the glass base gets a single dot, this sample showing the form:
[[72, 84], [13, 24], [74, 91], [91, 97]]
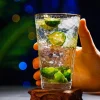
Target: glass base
[[52, 86]]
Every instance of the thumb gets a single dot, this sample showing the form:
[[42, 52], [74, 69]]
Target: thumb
[[85, 38]]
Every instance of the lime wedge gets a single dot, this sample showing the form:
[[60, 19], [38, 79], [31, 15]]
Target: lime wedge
[[53, 22], [67, 74], [48, 72], [57, 38], [42, 24], [59, 77]]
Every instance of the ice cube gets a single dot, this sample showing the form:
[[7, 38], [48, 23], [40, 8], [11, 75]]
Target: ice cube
[[69, 22]]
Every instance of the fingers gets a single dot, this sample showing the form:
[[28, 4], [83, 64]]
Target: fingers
[[35, 46], [85, 38], [38, 82], [35, 63], [36, 75]]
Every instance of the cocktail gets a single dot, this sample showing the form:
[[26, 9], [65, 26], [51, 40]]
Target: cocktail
[[57, 40]]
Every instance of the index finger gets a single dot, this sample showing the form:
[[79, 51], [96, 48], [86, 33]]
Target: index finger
[[35, 46]]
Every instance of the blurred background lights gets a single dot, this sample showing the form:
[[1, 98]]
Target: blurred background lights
[[15, 18], [16, 0], [31, 36], [22, 65], [26, 84], [28, 9]]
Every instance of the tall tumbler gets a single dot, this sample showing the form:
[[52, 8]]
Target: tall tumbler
[[57, 40]]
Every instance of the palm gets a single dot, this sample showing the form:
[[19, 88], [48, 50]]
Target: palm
[[86, 70]]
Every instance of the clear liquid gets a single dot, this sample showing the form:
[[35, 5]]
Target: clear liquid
[[56, 46]]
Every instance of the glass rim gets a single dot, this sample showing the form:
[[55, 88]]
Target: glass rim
[[70, 14]]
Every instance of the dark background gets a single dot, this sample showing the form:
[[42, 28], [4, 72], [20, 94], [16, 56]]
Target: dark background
[[17, 33]]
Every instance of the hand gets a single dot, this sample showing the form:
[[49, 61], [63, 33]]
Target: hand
[[87, 62], [86, 73]]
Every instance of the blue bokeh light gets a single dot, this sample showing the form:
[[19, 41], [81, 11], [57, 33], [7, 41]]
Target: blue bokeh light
[[29, 9], [22, 65], [16, 0], [26, 84]]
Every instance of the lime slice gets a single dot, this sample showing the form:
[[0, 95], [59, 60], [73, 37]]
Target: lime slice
[[67, 74], [71, 42], [53, 22], [59, 77], [57, 38], [42, 24], [48, 72]]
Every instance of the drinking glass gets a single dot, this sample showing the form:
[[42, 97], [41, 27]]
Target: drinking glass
[[57, 40]]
